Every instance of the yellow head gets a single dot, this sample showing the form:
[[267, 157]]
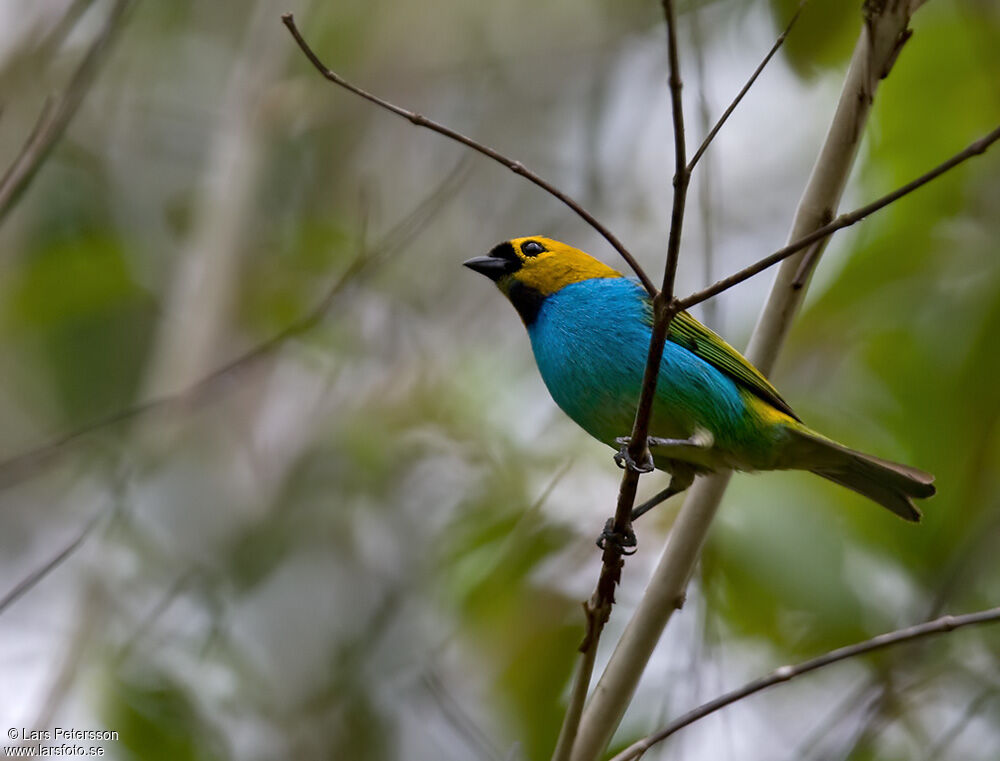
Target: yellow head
[[529, 269]]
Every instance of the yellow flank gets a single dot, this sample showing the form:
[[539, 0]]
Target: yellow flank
[[558, 266], [768, 414]]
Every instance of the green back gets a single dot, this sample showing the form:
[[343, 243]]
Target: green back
[[686, 331]]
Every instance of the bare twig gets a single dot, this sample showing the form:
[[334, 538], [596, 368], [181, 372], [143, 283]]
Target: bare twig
[[582, 740], [56, 116], [786, 673], [663, 313], [22, 465], [515, 166], [882, 34], [746, 88], [581, 685], [26, 584], [980, 537], [844, 220]]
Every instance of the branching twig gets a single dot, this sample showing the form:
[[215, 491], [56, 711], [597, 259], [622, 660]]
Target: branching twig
[[786, 673], [56, 115], [882, 35], [19, 466], [515, 166], [746, 88], [844, 220], [598, 608]]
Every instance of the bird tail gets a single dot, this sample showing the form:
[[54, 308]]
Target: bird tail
[[890, 484]]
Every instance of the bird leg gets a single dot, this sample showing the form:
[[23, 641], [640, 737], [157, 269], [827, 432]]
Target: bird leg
[[623, 459], [681, 477], [680, 480], [626, 540], [670, 449]]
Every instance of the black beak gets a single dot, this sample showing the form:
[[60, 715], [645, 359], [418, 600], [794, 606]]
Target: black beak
[[492, 266]]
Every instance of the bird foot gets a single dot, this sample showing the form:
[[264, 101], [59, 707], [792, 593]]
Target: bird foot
[[625, 542], [625, 461]]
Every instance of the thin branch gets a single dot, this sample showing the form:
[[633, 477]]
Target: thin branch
[[581, 685], [883, 32], [22, 465], [746, 88], [980, 537], [515, 166], [28, 583], [587, 740], [681, 172], [786, 673], [56, 116], [844, 220]]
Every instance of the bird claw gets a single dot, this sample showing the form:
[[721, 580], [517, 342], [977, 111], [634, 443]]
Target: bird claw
[[625, 542], [625, 461]]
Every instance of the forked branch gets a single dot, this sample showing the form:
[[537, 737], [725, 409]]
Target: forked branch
[[745, 89], [883, 32]]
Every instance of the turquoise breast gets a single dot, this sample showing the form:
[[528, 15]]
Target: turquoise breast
[[590, 341]]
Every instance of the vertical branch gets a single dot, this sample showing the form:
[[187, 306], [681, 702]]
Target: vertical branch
[[200, 297], [882, 37], [883, 34], [572, 735], [682, 174]]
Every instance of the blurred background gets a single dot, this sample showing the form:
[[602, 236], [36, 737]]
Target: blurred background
[[371, 539]]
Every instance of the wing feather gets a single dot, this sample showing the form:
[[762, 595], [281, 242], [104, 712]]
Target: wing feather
[[686, 331]]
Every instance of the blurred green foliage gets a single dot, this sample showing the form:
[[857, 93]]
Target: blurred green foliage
[[157, 721]]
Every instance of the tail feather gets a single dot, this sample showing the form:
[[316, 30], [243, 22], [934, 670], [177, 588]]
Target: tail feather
[[890, 484]]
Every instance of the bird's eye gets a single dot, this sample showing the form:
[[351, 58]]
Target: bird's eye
[[532, 248]]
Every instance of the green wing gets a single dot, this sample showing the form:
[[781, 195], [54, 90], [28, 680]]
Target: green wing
[[686, 331]]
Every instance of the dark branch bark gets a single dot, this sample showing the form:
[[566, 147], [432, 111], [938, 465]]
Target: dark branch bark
[[786, 673], [844, 220], [746, 88], [515, 166], [598, 608]]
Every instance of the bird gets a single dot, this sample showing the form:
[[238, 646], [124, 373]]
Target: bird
[[590, 329]]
